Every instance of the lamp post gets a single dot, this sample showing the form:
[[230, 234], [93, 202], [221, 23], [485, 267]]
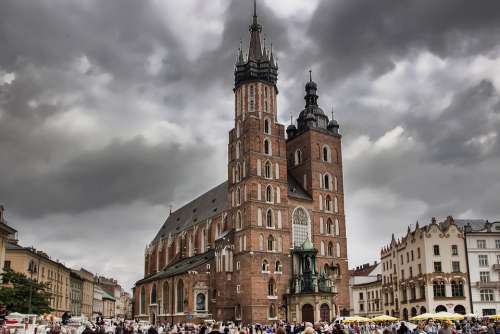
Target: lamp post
[[32, 269]]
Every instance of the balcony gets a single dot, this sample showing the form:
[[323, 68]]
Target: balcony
[[488, 285]]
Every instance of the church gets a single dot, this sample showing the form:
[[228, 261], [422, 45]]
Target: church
[[270, 243]]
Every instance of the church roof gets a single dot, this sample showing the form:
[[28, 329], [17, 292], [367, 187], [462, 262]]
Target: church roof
[[211, 203], [295, 189], [181, 267]]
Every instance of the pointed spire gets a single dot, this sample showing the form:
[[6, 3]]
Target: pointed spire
[[291, 118], [255, 49], [310, 75]]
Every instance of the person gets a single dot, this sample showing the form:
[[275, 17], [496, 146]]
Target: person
[[420, 329], [445, 329], [215, 329], [87, 330]]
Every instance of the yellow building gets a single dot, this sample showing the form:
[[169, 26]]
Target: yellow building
[[87, 292], [6, 233], [43, 269], [108, 302]]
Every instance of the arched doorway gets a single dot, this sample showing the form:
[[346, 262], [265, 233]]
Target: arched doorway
[[459, 309], [308, 313], [413, 312], [441, 308], [325, 312], [423, 310], [405, 314]]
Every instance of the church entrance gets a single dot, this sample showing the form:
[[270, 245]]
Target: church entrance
[[325, 312], [308, 313]]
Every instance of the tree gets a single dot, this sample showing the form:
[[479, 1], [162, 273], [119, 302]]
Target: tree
[[15, 290]]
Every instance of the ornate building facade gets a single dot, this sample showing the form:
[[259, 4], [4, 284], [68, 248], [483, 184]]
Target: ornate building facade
[[426, 271], [270, 242]]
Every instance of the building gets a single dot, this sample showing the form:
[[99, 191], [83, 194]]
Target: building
[[121, 298], [426, 271], [270, 242], [98, 304], [124, 310], [39, 266], [6, 233], [365, 286], [87, 292], [108, 305], [76, 293], [483, 255]]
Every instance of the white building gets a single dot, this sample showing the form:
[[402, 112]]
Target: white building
[[426, 271], [365, 290], [483, 255]]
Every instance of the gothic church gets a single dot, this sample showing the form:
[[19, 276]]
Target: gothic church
[[269, 243]]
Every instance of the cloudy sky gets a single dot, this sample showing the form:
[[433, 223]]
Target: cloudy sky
[[110, 111]]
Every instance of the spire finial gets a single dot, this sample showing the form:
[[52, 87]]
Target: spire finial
[[254, 8], [310, 76], [291, 118], [332, 112]]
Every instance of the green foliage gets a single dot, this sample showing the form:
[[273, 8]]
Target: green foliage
[[15, 290]]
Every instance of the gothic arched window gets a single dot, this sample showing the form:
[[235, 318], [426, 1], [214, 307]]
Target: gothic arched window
[[326, 154], [180, 296], [265, 265], [298, 157], [269, 194], [269, 218], [330, 249], [165, 297], [267, 126], [300, 226], [267, 170], [143, 300], [267, 146], [271, 287], [328, 203], [270, 243], [239, 224]]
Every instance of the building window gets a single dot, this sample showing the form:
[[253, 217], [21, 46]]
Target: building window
[[486, 295], [271, 288], [268, 170], [497, 244], [481, 244], [483, 260], [454, 250], [180, 296], [239, 224], [270, 243], [267, 125], [330, 249], [272, 311], [329, 226], [265, 266], [484, 276], [361, 296], [457, 288], [261, 242], [326, 181], [7, 265], [278, 268], [269, 218], [200, 302], [269, 194], [436, 250], [237, 288], [439, 289], [267, 147], [143, 300], [326, 154], [328, 203], [418, 252], [300, 226], [455, 266], [237, 265], [361, 307], [153, 294], [437, 267], [298, 157]]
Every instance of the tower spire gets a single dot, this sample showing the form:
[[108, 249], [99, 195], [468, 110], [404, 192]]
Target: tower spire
[[255, 49], [310, 75]]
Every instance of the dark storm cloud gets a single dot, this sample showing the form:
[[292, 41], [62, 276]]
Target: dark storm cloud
[[120, 173], [362, 34]]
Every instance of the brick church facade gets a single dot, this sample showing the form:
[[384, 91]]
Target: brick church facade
[[269, 243]]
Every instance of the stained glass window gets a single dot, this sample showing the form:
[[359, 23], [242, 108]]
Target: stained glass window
[[300, 226]]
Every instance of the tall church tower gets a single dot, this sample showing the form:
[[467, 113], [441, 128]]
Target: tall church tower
[[257, 186]]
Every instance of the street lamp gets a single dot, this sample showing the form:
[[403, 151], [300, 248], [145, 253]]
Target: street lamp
[[32, 269]]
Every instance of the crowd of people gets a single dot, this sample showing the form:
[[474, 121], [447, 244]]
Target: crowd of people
[[99, 326]]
